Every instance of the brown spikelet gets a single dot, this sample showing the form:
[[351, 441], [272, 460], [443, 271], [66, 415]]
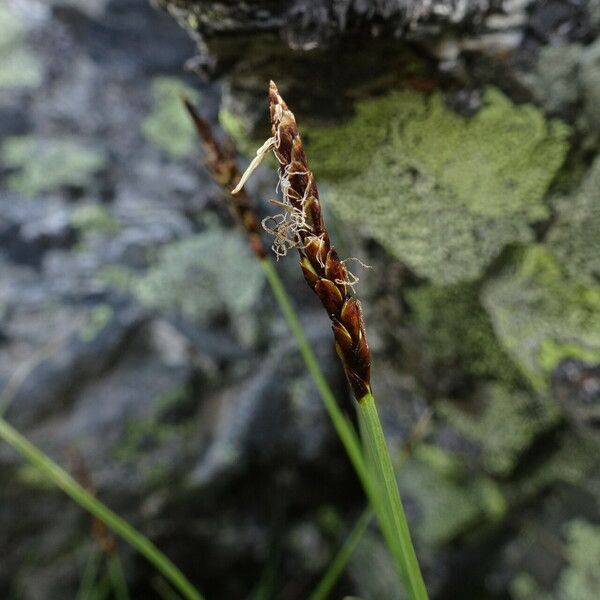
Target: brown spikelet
[[324, 272], [220, 162]]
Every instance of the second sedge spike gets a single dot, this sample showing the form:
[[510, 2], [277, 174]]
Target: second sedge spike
[[221, 162]]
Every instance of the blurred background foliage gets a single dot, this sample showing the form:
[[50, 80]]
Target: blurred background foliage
[[457, 154]]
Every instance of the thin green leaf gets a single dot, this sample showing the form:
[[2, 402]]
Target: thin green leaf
[[117, 577], [389, 506], [68, 485], [338, 564], [341, 423], [164, 590], [90, 573]]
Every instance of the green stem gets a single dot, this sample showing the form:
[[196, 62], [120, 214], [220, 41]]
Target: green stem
[[377, 478], [342, 425], [389, 506], [90, 572], [338, 564], [117, 577], [68, 485], [164, 590]]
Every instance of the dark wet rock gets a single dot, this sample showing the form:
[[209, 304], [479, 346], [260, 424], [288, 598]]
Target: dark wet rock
[[341, 50], [577, 386], [54, 381], [126, 37], [564, 533], [560, 20], [28, 231], [321, 53], [304, 25], [13, 120], [275, 416]]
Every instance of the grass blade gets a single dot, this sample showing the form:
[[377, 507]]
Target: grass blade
[[68, 485], [117, 577], [90, 573], [389, 506], [344, 429], [164, 590], [338, 564]]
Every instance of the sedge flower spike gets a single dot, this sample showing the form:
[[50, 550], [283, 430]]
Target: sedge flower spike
[[300, 225], [220, 160]]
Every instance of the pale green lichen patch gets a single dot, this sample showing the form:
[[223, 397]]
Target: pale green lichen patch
[[579, 579], [458, 331], [119, 277], [235, 129], [90, 218], [450, 501], [169, 125], [540, 316], [98, 318], [44, 165], [146, 441], [566, 80], [442, 193], [569, 460], [202, 277], [555, 82], [343, 151], [575, 235], [522, 417], [19, 66]]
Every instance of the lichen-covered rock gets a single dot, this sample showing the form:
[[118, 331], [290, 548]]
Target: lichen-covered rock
[[581, 580], [502, 423], [442, 193], [555, 82], [576, 385], [44, 164], [89, 218], [566, 460], [575, 235], [448, 499], [169, 125], [571, 574], [19, 65], [208, 275], [459, 333], [541, 316], [566, 81]]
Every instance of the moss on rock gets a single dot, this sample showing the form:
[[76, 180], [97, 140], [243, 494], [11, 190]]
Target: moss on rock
[[19, 66], [204, 276], [566, 80], [541, 316], [458, 331], [98, 317], [522, 415], [442, 193], [169, 125], [575, 236], [450, 500], [90, 218], [581, 579], [48, 164], [555, 82]]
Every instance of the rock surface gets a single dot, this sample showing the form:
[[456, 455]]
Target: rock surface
[[456, 145]]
